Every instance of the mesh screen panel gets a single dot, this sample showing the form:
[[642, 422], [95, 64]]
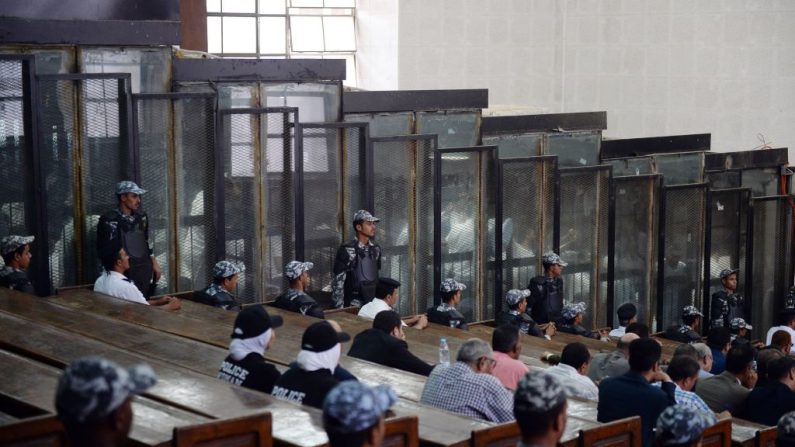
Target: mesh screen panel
[[574, 149], [680, 169], [728, 236], [149, 68], [316, 102], [683, 223], [631, 166], [771, 267], [452, 128], [384, 124], [515, 146], [353, 172], [635, 244], [584, 203], [528, 200], [724, 179]]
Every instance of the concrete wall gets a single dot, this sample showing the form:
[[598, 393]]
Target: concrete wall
[[658, 67]]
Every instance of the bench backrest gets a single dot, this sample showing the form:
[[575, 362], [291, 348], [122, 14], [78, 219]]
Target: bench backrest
[[719, 435], [40, 431], [72, 289], [623, 432], [246, 431], [502, 435], [402, 432], [766, 437]]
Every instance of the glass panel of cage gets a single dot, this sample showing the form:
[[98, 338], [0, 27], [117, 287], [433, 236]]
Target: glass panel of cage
[[529, 217], [317, 102], [333, 175], [49, 60], [681, 267], [680, 168], [385, 124], [231, 95], [636, 202], [257, 202], [574, 148], [149, 67], [771, 269], [728, 243], [402, 179], [631, 166], [584, 209], [762, 181], [724, 179], [466, 215], [454, 128], [515, 145]]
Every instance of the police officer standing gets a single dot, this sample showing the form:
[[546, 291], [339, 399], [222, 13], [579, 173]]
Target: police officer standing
[[357, 264], [130, 225], [726, 304], [546, 292], [16, 255]]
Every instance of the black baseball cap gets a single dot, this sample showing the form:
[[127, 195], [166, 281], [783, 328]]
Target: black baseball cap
[[253, 321], [321, 336], [385, 287], [627, 311]]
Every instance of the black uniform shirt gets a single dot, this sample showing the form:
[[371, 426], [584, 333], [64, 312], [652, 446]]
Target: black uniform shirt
[[304, 387], [379, 347], [297, 301], [251, 372], [16, 280]]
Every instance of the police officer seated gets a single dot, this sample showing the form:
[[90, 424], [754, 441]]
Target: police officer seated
[[16, 255], [446, 313], [516, 300], [572, 321], [219, 293], [295, 298], [687, 332]]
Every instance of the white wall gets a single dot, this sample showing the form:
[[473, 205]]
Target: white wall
[[658, 67], [377, 44]]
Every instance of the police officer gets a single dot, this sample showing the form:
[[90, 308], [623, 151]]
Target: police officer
[[687, 332], [16, 255], [357, 264], [546, 292], [446, 313], [516, 300], [130, 225], [726, 304], [294, 298], [219, 293]]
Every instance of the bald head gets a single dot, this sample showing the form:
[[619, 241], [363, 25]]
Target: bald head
[[625, 340], [335, 325]]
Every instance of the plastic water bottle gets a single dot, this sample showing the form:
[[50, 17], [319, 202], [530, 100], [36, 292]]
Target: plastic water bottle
[[444, 352]]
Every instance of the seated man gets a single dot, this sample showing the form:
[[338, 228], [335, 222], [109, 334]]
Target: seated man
[[682, 426], [787, 320], [252, 335], [353, 414], [294, 298], [572, 372], [16, 256], [687, 332], [572, 321], [505, 343], [704, 358], [627, 314], [386, 298], [638, 328], [729, 390], [219, 293], [313, 378], [632, 394], [467, 386], [740, 331], [94, 400], [446, 313], [612, 364], [386, 344], [719, 340], [763, 359], [113, 282], [683, 371], [767, 404], [539, 406], [516, 300]]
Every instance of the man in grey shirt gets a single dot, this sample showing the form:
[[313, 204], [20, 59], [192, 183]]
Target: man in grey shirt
[[612, 364]]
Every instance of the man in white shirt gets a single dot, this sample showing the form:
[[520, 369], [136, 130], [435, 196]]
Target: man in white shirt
[[627, 314], [113, 282], [386, 297], [572, 372], [787, 318]]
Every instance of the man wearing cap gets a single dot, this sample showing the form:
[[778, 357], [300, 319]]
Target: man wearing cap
[[687, 332], [516, 300], [539, 406], [357, 264], [726, 304], [627, 314], [739, 329], [787, 323], [219, 293], [572, 321], [572, 371], [130, 225], [680, 425], [112, 281], [16, 256], [295, 298], [386, 298], [468, 387], [546, 292], [353, 414], [313, 378], [252, 335], [612, 364], [94, 400], [385, 344], [446, 313]]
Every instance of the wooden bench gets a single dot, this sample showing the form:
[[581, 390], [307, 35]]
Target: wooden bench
[[246, 431], [402, 432], [719, 435], [623, 432], [766, 437], [39, 431]]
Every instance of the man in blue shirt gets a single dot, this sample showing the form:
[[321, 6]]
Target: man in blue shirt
[[632, 393], [719, 341]]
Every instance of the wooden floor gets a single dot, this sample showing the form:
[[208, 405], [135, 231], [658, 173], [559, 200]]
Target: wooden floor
[[40, 336]]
